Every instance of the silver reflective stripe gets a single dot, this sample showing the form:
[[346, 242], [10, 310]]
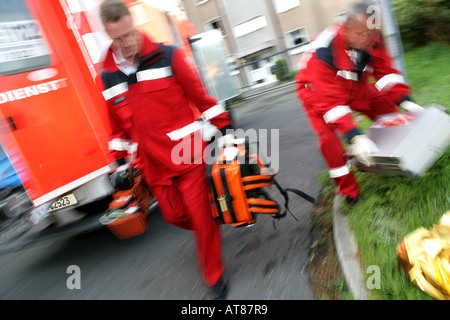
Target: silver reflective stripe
[[119, 144], [336, 113], [115, 91], [349, 75], [185, 131], [388, 81], [213, 111], [340, 171], [153, 74]]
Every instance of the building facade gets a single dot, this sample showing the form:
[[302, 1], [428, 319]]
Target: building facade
[[258, 33]]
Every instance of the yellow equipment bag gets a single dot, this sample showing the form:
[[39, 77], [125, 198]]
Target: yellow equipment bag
[[424, 255]]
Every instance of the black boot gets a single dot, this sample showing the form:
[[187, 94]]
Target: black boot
[[219, 290], [353, 201]]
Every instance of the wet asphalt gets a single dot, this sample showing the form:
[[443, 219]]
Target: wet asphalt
[[268, 261]]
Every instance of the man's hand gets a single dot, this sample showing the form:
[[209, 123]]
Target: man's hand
[[122, 177], [363, 148], [410, 106], [225, 141], [208, 130]]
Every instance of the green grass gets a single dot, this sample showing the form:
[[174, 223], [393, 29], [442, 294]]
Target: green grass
[[392, 207], [428, 71]]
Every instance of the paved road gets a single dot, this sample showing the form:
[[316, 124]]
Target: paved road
[[262, 262]]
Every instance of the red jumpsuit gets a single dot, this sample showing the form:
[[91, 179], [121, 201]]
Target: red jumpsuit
[[152, 107], [333, 82]]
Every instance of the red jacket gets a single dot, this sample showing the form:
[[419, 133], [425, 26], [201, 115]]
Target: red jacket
[[335, 81], [153, 108]]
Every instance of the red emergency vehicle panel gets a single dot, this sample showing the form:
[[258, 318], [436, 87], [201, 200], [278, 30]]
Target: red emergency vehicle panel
[[53, 122]]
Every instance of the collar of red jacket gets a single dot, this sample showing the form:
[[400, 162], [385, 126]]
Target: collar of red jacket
[[147, 47]]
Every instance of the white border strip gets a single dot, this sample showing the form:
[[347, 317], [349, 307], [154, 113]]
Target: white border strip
[[185, 131], [337, 112], [115, 91], [70, 186], [386, 82], [340, 171], [154, 74], [348, 75], [214, 111]]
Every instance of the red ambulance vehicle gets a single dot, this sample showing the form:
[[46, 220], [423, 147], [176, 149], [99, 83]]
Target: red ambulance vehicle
[[53, 122]]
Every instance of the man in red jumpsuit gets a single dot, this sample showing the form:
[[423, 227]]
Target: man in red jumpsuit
[[334, 81], [149, 89]]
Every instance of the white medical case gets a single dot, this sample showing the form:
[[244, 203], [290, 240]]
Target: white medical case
[[409, 143]]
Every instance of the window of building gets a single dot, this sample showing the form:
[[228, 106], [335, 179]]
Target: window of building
[[215, 24], [297, 36], [285, 5]]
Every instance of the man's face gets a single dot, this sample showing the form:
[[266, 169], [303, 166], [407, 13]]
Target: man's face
[[357, 35], [124, 36]]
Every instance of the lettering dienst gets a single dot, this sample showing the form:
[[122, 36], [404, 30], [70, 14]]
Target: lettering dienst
[[30, 91]]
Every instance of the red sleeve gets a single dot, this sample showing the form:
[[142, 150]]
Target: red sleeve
[[388, 78], [331, 95], [197, 92]]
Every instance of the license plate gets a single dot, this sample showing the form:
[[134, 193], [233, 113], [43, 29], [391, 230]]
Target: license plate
[[63, 202]]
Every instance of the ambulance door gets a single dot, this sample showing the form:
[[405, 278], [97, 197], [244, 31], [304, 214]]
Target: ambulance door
[[51, 121]]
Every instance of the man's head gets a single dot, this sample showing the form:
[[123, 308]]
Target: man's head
[[357, 29], [118, 23]]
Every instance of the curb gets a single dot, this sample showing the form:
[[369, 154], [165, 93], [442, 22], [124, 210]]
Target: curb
[[347, 252]]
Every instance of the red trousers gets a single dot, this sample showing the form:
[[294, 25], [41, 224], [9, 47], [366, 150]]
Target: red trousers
[[185, 204], [369, 102]]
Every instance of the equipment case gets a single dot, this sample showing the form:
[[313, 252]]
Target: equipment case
[[236, 190], [409, 143]]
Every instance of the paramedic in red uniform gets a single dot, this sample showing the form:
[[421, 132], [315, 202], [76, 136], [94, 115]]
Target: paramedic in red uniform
[[149, 88], [334, 81]]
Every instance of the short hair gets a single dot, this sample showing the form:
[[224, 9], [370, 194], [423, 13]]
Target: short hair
[[113, 10], [358, 9]]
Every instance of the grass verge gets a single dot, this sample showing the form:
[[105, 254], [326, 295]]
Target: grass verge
[[392, 207], [324, 268]]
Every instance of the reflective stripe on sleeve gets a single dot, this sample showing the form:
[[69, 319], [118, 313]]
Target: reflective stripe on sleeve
[[336, 113], [339, 171], [115, 91], [349, 75], [388, 81], [213, 111], [154, 74], [185, 131]]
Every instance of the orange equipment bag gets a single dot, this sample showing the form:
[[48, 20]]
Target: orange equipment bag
[[129, 211], [237, 180]]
